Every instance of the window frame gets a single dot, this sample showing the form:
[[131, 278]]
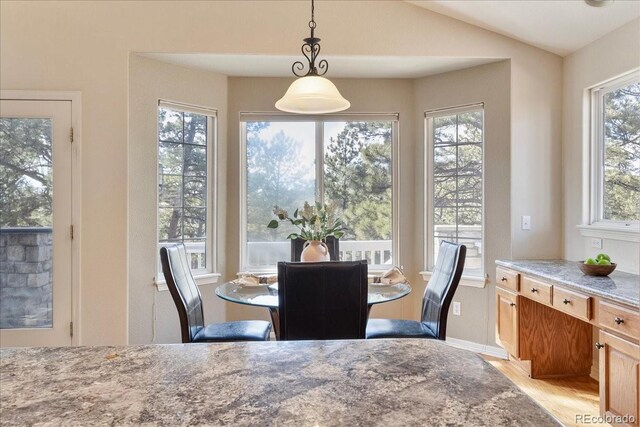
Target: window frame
[[209, 274], [319, 120], [478, 281], [597, 225]]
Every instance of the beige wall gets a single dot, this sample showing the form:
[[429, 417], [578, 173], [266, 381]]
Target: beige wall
[[489, 84], [150, 81], [85, 46], [602, 60]]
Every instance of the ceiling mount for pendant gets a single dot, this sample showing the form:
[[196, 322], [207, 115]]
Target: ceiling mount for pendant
[[312, 93]]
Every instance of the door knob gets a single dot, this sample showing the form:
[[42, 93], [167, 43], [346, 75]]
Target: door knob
[[618, 320], [599, 346], [512, 304]]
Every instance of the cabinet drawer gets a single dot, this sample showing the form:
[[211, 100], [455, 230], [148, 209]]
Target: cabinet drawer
[[536, 290], [622, 320], [572, 303], [508, 279]]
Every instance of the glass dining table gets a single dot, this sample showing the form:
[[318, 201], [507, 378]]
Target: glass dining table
[[267, 296]]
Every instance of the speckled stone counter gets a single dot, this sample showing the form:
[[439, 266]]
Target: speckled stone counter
[[618, 286], [376, 382]]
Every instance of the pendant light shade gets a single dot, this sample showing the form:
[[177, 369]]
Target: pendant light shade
[[312, 95]]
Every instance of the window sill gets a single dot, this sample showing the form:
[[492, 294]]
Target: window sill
[[614, 232], [202, 279], [468, 281]]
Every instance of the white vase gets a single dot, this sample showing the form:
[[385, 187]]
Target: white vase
[[314, 251]]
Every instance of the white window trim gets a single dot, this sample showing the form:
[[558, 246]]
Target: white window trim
[[596, 226], [272, 116], [471, 281], [210, 275]]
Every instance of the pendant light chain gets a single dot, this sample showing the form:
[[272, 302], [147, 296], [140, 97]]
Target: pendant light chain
[[310, 49]]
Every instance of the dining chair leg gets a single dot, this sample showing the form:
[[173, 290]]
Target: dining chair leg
[[275, 321]]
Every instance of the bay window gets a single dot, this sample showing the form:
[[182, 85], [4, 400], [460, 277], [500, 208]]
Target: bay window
[[186, 151], [454, 202], [345, 161]]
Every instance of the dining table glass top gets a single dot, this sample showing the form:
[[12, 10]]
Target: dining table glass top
[[267, 295]]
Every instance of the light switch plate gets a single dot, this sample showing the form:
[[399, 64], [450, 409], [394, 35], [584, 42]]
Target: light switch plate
[[456, 308], [526, 222], [596, 243]]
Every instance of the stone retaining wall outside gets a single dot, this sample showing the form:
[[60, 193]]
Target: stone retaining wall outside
[[25, 278]]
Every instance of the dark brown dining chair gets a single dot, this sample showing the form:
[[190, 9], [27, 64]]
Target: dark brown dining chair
[[435, 303], [186, 296], [322, 300]]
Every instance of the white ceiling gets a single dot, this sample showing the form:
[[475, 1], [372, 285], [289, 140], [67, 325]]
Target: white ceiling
[[560, 26], [339, 66]]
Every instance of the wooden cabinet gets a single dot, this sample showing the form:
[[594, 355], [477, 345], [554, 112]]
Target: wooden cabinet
[[620, 320], [507, 321], [619, 380], [536, 290], [508, 279], [572, 303]]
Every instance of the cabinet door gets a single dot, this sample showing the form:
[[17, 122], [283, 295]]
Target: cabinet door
[[619, 380], [507, 321]]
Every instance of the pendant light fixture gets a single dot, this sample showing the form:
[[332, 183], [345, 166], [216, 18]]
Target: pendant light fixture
[[311, 93]]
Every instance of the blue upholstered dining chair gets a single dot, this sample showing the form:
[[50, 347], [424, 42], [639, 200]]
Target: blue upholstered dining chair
[[188, 301], [435, 303]]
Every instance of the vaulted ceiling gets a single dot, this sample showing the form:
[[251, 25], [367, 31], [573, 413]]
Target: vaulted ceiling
[[561, 27]]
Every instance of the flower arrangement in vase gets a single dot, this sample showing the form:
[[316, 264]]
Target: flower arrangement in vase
[[315, 223]]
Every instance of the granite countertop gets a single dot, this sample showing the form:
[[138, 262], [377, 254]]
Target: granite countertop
[[618, 286], [366, 382]]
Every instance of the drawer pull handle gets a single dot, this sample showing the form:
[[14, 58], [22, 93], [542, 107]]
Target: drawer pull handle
[[534, 290], [566, 301], [618, 320], [504, 279], [512, 304], [599, 346]]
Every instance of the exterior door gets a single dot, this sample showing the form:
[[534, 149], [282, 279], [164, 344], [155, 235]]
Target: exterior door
[[35, 223]]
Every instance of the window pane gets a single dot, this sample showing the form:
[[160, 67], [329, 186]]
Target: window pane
[[170, 191], [170, 125], [195, 160], [170, 224], [444, 161], [470, 127], [444, 130], [170, 158], [357, 181], [26, 221], [444, 192], [280, 172], [622, 154], [195, 129], [195, 223], [457, 185], [182, 186], [195, 192], [470, 159]]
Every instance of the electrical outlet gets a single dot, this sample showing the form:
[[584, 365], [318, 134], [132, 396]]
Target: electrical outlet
[[456, 308], [596, 243], [526, 222]]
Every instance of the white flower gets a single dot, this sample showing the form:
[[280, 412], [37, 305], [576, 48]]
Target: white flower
[[280, 213]]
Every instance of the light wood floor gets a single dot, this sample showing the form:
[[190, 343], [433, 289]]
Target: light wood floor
[[562, 397]]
